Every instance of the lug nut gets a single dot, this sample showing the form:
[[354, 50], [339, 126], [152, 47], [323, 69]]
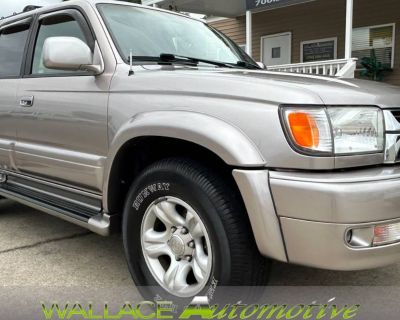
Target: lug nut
[[173, 229], [191, 244], [184, 231], [188, 258]]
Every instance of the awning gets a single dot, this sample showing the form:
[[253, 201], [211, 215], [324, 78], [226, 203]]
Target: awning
[[222, 8], [261, 5], [218, 8]]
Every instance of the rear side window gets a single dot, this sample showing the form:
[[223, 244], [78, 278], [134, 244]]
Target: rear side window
[[12, 45], [56, 26]]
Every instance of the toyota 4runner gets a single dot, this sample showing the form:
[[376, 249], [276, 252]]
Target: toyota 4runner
[[117, 114]]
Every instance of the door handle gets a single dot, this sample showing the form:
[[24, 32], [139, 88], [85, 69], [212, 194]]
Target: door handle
[[26, 102]]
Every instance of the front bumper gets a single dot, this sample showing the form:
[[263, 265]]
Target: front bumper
[[323, 245], [303, 218], [316, 210]]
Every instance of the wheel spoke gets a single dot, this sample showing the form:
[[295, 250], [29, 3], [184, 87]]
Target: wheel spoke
[[165, 211], [194, 225], [175, 277], [155, 243], [200, 263], [155, 237], [157, 250], [189, 218]]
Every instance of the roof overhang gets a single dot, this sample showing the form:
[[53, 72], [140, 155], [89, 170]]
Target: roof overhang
[[222, 8]]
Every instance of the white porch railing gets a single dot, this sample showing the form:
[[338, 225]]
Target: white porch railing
[[343, 68]]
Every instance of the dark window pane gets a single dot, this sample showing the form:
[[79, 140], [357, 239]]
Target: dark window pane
[[319, 51], [12, 44], [276, 53]]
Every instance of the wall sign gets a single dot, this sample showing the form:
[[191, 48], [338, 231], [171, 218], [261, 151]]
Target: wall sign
[[319, 50], [271, 4]]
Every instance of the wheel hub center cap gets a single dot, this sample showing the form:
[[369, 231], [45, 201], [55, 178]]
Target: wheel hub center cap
[[181, 243], [177, 245]]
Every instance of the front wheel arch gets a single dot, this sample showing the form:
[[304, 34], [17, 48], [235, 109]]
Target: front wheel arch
[[208, 134]]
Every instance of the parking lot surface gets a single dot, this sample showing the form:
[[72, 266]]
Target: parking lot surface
[[40, 254]]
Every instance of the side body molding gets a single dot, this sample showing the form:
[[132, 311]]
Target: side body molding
[[218, 136]]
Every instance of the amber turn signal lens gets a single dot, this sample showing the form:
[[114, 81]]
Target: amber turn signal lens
[[304, 129]]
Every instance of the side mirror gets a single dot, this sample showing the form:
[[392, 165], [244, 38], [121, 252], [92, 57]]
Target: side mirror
[[69, 53], [262, 65]]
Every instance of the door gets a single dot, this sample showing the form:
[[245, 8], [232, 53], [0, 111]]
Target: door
[[62, 117], [13, 40], [276, 49]]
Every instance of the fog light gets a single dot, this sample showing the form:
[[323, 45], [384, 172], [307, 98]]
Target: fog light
[[373, 236], [360, 238], [386, 234]]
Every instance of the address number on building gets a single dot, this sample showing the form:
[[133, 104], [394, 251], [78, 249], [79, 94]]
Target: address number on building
[[264, 2]]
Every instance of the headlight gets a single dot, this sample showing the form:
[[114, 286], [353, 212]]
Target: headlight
[[334, 130], [357, 130]]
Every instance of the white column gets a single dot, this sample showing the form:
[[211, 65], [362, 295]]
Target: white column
[[349, 29], [249, 33]]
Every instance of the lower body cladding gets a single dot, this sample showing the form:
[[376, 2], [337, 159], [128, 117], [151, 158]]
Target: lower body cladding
[[338, 221]]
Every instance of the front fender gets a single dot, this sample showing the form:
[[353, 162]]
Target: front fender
[[225, 140]]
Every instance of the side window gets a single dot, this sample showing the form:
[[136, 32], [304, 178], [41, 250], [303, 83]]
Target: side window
[[55, 26], [12, 45]]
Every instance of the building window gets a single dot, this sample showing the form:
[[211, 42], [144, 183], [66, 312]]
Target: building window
[[319, 50], [378, 40], [276, 53]]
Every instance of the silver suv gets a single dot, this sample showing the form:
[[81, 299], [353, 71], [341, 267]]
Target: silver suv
[[116, 114]]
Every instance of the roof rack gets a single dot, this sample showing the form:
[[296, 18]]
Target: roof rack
[[26, 9]]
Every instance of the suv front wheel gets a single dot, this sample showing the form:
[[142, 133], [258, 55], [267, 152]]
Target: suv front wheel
[[185, 229]]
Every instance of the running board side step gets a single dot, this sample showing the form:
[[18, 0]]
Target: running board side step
[[99, 223]]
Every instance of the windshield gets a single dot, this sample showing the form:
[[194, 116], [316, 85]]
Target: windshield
[[151, 33]]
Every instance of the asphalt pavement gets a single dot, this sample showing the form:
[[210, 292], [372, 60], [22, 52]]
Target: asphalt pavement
[[42, 254]]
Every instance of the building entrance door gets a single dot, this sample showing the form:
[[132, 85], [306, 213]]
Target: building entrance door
[[276, 49]]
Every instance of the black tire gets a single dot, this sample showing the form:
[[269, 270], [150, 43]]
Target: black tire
[[236, 259]]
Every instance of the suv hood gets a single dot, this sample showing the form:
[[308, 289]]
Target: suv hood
[[339, 91], [274, 87]]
